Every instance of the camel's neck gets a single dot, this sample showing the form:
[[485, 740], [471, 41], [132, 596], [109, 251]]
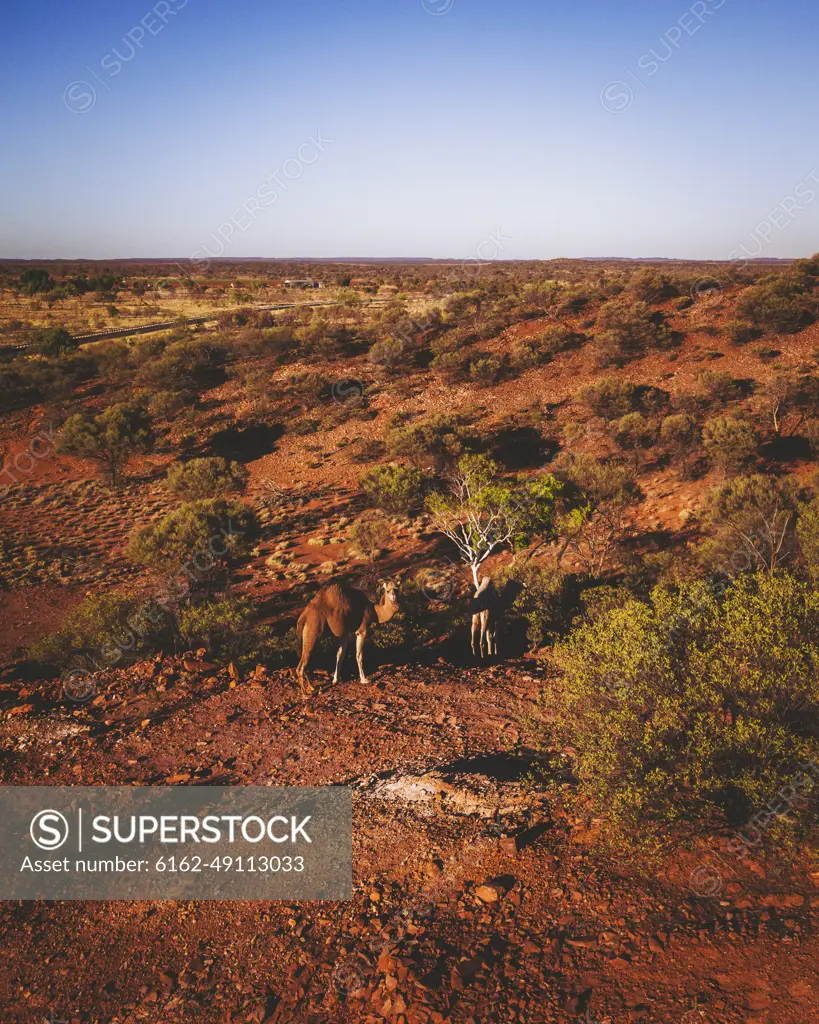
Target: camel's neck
[[385, 610]]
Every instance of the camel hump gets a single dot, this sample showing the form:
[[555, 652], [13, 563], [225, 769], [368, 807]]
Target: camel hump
[[339, 595], [341, 606]]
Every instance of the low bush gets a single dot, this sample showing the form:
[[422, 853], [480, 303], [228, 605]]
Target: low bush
[[206, 478], [390, 353], [103, 630], [453, 366], [609, 397], [371, 535], [687, 706], [393, 488], [228, 630], [653, 286], [626, 330], [196, 542], [729, 442], [751, 520], [486, 370], [165, 406], [111, 438], [739, 332], [635, 434], [680, 435], [440, 441], [54, 341], [544, 605], [186, 366], [717, 388], [780, 303]]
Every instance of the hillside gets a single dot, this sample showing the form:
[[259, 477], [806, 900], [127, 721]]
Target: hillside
[[527, 845]]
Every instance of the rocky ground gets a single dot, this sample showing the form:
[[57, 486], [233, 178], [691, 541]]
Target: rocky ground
[[477, 897], [479, 894]]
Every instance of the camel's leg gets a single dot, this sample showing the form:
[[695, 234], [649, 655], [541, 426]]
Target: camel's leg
[[493, 640], [359, 654], [476, 626], [342, 650], [484, 635], [309, 639]]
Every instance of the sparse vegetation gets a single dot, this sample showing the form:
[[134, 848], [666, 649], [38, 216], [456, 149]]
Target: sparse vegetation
[[394, 488], [206, 478], [111, 438]]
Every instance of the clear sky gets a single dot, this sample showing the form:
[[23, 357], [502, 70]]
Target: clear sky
[[442, 128]]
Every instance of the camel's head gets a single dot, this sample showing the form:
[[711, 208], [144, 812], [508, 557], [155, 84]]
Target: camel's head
[[391, 594]]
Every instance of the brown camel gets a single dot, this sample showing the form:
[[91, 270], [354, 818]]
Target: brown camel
[[345, 611]]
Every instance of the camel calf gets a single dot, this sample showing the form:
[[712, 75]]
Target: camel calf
[[345, 611], [487, 610]]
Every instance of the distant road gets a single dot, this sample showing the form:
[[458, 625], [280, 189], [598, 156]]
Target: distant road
[[124, 332]]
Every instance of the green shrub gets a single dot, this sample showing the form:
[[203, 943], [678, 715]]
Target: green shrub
[[309, 387], [751, 520], [196, 541], [187, 366], [609, 397], [807, 532], [597, 511], [452, 365], [729, 442], [543, 605], [227, 629], [634, 433], [111, 438], [739, 332], [680, 435], [626, 330], [524, 355], [718, 388], [779, 303], [652, 286], [104, 629], [486, 370], [35, 280], [206, 478], [440, 440], [371, 535], [554, 339], [682, 706], [389, 353], [166, 405], [54, 341], [393, 488]]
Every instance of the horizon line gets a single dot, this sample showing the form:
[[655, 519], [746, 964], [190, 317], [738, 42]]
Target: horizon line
[[392, 259]]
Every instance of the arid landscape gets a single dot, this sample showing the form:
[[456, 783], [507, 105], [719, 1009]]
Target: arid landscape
[[612, 819]]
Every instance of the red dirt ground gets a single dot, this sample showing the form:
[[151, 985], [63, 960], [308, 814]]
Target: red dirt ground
[[580, 931]]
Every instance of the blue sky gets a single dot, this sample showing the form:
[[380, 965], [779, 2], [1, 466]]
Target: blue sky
[[523, 129]]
